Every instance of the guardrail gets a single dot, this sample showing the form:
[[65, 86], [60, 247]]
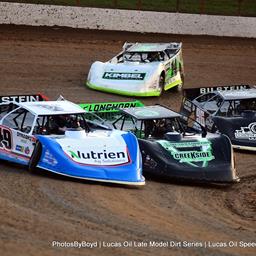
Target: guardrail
[[213, 7], [126, 20]]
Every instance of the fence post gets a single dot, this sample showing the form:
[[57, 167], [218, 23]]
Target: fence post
[[177, 5], [115, 3], [202, 6], [139, 5], [239, 7]]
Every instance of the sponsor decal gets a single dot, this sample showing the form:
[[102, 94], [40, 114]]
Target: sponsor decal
[[194, 153], [146, 113], [248, 132], [223, 88], [27, 150], [24, 141], [110, 106], [49, 158], [103, 157], [124, 76], [187, 105], [26, 137], [19, 148], [21, 98], [51, 107], [200, 116], [191, 156], [150, 162]]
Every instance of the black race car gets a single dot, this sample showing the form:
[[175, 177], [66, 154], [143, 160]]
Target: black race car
[[171, 148], [230, 110]]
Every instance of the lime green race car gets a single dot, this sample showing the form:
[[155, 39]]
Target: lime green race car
[[140, 69]]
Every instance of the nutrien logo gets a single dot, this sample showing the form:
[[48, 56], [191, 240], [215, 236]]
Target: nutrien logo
[[103, 157], [124, 76]]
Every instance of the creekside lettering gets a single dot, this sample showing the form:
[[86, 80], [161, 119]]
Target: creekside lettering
[[193, 155]]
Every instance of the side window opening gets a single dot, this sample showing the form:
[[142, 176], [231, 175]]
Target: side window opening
[[213, 104], [171, 52], [124, 123], [6, 108], [21, 120], [205, 97], [40, 124], [225, 109]]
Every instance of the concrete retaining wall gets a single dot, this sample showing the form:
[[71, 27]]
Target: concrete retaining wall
[[126, 20]]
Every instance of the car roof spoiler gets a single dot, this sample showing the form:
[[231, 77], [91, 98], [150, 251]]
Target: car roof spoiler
[[23, 98], [192, 93]]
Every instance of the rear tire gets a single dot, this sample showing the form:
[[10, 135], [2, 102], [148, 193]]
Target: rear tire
[[35, 158]]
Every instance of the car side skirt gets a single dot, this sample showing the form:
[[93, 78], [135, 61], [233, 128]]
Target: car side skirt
[[244, 147], [139, 183], [173, 84]]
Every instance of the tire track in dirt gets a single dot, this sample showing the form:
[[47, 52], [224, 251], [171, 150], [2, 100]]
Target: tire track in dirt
[[37, 209]]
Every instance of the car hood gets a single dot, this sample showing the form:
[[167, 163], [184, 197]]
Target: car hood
[[95, 148], [128, 71]]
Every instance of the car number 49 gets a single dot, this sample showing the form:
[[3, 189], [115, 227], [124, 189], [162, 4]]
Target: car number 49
[[5, 138]]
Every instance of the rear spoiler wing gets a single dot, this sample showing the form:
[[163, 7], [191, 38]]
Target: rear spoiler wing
[[192, 93], [23, 98]]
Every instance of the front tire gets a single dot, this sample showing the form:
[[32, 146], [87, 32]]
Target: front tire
[[35, 157], [161, 84]]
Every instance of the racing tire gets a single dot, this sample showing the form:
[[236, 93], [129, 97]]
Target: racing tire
[[161, 84], [35, 158], [178, 88]]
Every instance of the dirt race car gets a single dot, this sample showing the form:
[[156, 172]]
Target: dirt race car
[[230, 110], [141, 69], [170, 148], [56, 136]]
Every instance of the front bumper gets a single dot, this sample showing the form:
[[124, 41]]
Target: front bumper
[[54, 159], [123, 92]]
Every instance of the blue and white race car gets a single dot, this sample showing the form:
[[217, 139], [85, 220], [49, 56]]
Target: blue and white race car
[[140, 69], [56, 136]]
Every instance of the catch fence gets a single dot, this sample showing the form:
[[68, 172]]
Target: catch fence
[[213, 7]]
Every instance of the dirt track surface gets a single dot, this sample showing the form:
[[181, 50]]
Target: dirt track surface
[[38, 209]]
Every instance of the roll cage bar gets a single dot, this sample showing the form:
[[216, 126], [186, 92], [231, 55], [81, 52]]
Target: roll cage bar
[[178, 119]]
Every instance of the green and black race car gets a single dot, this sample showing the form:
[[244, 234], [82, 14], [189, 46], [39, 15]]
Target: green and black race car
[[170, 147]]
